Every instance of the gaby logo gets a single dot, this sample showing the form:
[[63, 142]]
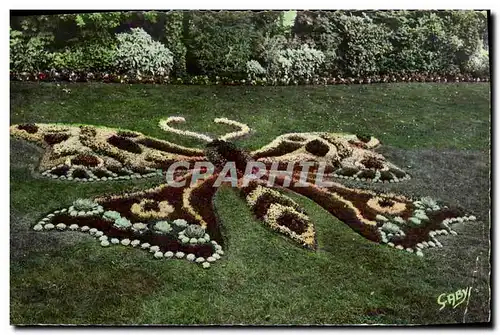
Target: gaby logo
[[454, 299]]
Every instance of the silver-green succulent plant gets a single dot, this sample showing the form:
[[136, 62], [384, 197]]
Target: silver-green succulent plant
[[162, 226], [85, 205], [194, 231], [391, 227], [122, 223], [111, 215]]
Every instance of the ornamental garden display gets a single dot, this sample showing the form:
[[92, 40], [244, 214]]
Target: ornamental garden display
[[177, 219]]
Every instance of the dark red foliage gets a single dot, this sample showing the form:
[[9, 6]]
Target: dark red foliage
[[372, 162], [28, 127], [293, 222], [386, 203], [398, 173], [220, 151], [85, 160], [125, 144], [54, 138], [60, 171], [317, 147], [347, 171], [151, 206], [80, 173], [364, 138], [386, 176], [124, 133], [100, 173]]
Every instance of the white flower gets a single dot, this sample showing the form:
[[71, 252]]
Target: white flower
[[211, 259], [99, 233], [206, 265], [85, 228], [125, 241], [179, 254], [381, 218], [216, 256], [185, 240], [201, 241], [193, 240], [200, 260], [190, 257], [154, 248], [135, 243], [115, 241], [169, 254], [74, 226], [49, 226], [38, 227], [420, 253], [104, 243], [220, 252], [92, 231], [158, 254], [103, 238], [145, 245]]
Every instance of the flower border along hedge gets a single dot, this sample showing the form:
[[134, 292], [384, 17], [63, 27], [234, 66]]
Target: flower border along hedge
[[137, 78]]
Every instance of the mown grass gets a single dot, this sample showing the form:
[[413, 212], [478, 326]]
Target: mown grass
[[264, 278]]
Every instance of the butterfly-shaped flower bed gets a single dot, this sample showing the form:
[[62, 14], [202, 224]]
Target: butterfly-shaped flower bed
[[180, 222]]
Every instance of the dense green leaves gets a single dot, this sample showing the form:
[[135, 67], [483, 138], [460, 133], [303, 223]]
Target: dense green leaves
[[288, 45], [137, 51]]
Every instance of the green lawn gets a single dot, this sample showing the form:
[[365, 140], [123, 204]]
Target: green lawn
[[263, 278]]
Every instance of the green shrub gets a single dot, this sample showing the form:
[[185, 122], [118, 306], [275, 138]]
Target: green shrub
[[91, 57], [174, 33], [362, 45], [479, 63], [254, 69], [137, 51], [289, 59], [302, 62], [219, 44], [28, 54]]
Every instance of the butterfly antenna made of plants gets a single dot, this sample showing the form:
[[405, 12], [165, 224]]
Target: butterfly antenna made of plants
[[165, 125]]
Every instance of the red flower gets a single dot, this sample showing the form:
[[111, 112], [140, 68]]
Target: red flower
[[255, 170], [42, 76], [203, 169]]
